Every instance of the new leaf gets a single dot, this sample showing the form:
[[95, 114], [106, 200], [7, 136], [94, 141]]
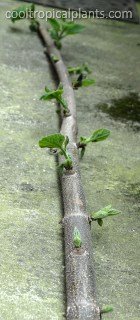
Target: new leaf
[[52, 94], [56, 94], [55, 24], [87, 82], [19, 13], [82, 81], [106, 309], [104, 213], [58, 141], [80, 69], [53, 141], [98, 135], [61, 29]]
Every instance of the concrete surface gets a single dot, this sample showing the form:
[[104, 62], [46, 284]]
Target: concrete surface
[[111, 169], [31, 251]]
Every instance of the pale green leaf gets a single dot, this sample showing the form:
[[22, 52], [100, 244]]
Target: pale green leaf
[[99, 135], [106, 309], [52, 141], [87, 82], [52, 94], [55, 24], [104, 213], [79, 69], [19, 13]]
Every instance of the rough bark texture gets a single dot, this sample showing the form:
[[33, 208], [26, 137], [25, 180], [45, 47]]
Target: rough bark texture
[[80, 285]]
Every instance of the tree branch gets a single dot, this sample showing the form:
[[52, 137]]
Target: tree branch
[[80, 283]]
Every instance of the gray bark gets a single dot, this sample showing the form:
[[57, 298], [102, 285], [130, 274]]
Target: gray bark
[[80, 282]]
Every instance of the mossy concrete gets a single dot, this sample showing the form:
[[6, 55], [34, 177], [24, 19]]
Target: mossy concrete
[[31, 277], [31, 255]]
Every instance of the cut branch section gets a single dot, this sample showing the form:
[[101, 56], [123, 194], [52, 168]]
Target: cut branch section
[[80, 284]]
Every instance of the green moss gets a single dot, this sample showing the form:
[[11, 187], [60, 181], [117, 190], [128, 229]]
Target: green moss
[[125, 108]]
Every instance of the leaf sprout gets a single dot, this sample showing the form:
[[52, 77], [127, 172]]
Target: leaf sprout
[[106, 309], [57, 95], [26, 12], [104, 213], [79, 69], [77, 238], [96, 136], [62, 28], [82, 72], [82, 81], [60, 142]]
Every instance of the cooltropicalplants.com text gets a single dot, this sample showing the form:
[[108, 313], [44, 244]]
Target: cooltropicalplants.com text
[[71, 14]]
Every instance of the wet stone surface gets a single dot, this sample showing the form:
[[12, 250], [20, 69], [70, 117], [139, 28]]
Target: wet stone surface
[[31, 252]]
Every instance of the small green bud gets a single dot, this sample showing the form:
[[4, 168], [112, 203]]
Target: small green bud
[[77, 238], [54, 58], [104, 213], [106, 309]]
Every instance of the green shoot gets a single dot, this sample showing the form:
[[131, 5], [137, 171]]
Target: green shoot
[[62, 28], [77, 238], [57, 95], [103, 213], [106, 309], [26, 12], [80, 69], [20, 13], [54, 58], [82, 72], [96, 136], [60, 142], [82, 81]]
